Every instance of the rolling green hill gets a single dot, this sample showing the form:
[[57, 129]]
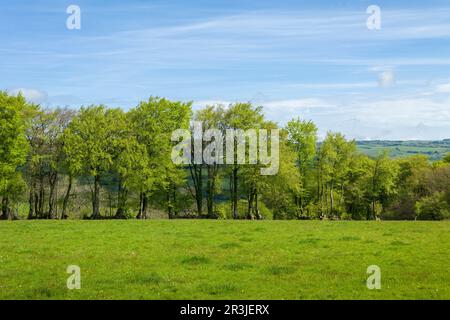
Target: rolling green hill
[[435, 150]]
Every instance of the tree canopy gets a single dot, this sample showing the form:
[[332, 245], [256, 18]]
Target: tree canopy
[[99, 162]]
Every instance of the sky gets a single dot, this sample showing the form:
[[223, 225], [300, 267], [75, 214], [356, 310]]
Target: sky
[[316, 60]]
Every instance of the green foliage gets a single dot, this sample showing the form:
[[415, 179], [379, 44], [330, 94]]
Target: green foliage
[[434, 207], [14, 118], [13, 147], [90, 139], [447, 158], [153, 122], [382, 183], [108, 157], [302, 138]]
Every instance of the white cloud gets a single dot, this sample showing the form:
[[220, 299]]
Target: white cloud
[[32, 95], [334, 86], [386, 78], [443, 88], [294, 104], [369, 117]]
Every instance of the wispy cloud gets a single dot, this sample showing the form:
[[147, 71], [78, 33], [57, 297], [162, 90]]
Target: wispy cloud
[[318, 62], [32, 95]]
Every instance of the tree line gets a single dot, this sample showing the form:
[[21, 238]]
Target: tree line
[[98, 162]]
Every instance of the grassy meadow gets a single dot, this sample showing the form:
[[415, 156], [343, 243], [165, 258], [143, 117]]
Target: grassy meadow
[[204, 259]]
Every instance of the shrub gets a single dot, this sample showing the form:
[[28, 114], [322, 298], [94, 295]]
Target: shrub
[[433, 207]]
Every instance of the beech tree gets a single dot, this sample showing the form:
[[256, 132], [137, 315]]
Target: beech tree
[[380, 184], [13, 148], [90, 137], [302, 138], [240, 116], [127, 155], [154, 121]]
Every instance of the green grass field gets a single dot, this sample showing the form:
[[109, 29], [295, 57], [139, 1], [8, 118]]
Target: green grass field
[[202, 259]]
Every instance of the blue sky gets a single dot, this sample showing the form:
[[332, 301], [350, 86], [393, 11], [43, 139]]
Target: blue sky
[[310, 59]]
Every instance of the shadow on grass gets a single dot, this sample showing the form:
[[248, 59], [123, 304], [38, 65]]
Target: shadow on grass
[[279, 270], [195, 260]]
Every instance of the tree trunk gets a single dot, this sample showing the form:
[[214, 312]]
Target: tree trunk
[[5, 209], [212, 171], [170, 198], [139, 215], [143, 203], [36, 203], [196, 171], [250, 205], [121, 201], [169, 205], [373, 209], [96, 198], [257, 214], [40, 210], [53, 177], [235, 194], [31, 200], [331, 200], [66, 199]]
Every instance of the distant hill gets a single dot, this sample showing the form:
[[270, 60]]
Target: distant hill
[[435, 150]]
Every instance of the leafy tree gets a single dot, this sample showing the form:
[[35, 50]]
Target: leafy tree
[[211, 117], [278, 190], [302, 137], [333, 161], [13, 147], [355, 200], [434, 207], [128, 155], [240, 116], [381, 183], [410, 187], [90, 137], [154, 121]]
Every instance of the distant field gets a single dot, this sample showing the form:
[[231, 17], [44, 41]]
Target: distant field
[[435, 150], [199, 259]]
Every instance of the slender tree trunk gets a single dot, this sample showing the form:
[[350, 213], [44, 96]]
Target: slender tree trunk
[[144, 206], [31, 199], [250, 205], [257, 214], [36, 202], [235, 194], [66, 199], [96, 198], [331, 200], [174, 198], [341, 199], [373, 209], [210, 189], [320, 189], [5, 208], [139, 215], [53, 177], [196, 171], [170, 198], [169, 205], [121, 201], [41, 198]]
